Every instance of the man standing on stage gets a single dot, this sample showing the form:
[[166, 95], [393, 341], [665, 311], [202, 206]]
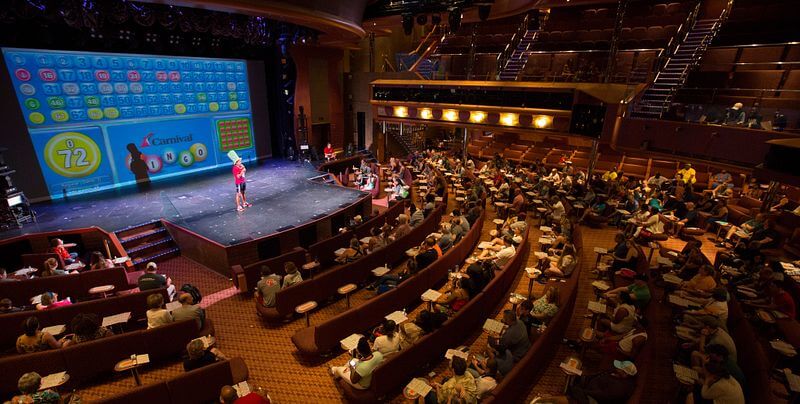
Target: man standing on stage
[[239, 171]]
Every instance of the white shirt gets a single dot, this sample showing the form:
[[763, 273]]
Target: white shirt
[[558, 210], [385, 346], [504, 255]]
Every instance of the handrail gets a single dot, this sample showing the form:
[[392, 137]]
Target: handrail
[[424, 40], [757, 45], [737, 89], [669, 50], [511, 46]]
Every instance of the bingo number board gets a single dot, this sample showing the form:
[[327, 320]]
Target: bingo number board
[[89, 113]]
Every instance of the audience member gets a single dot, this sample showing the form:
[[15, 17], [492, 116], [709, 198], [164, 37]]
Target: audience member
[[51, 269], [98, 261], [157, 315], [49, 300], [292, 275], [613, 386], [29, 385], [268, 286], [198, 355], [151, 280], [34, 339], [358, 371], [188, 310], [57, 246], [514, 338], [388, 342], [461, 387]]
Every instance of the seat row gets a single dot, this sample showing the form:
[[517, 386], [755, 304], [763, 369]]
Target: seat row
[[397, 368], [198, 386], [89, 360], [324, 337], [135, 303], [75, 286], [325, 285]]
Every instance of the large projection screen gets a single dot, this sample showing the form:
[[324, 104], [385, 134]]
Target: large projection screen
[[103, 120]]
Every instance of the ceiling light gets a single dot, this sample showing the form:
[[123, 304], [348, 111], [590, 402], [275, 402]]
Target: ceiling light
[[425, 113], [477, 116], [400, 112], [542, 121], [509, 119], [450, 115]]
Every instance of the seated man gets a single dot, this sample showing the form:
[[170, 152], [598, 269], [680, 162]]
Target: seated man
[[189, 310], [687, 174], [514, 338], [461, 387], [613, 386], [747, 228], [152, 280], [197, 355], [722, 178], [268, 286], [429, 252], [29, 385], [358, 371], [777, 299], [711, 334], [228, 395], [638, 291]]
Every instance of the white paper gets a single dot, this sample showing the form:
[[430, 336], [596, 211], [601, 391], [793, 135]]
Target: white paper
[[664, 261], [545, 241], [431, 295], [116, 319], [792, 379], [350, 342], [121, 260], [601, 250], [340, 251], [380, 271], [679, 301], [493, 326], [455, 352], [545, 229], [52, 380], [398, 317], [498, 221], [597, 307], [55, 329], [485, 244], [142, 359], [540, 254], [365, 240], [685, 373], [418, 386], [602, 286], [673, 279]]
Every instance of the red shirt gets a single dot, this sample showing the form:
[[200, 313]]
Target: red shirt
[[328, 150], [238, 174], [251, 398], [784, 303], [61, 251]]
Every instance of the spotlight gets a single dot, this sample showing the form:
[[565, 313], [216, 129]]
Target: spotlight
[[542, 121], [454, 19], [477, 116], [400, 112], [450, 115], [425, 113], [509, 119], [436, 19], [408, 23], [422, 19]]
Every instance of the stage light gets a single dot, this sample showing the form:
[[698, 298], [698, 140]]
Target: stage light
[[401, 112], [422, 19], [408, 23], [450, 115], [477, 116], [425, 113], [542, 121], [509, 119]]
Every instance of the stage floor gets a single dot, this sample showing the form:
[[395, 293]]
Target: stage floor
[[279, 190]]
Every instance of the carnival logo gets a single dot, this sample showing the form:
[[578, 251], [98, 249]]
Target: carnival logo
[[151, 140]]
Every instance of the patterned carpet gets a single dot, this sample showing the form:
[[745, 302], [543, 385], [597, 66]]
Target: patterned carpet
[[290, 378]]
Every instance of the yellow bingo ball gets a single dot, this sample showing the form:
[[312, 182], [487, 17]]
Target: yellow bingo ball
[[95, 114], [36, 117], [213, 107], [72, 155], [199, 151], [180, 109], [59, 115], [111, 113], [234, 105]]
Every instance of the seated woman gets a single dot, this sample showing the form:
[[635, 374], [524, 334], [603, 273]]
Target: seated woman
[[34, 339], [622, 319], [624, 253], [410, 333], [446, 241], [98, 261], [455, 296], [292, 275], [157, 315], [49, 300], [399, 189], [197, 355], [369, 185], [633, 341], [30, 386], [352, 253], [565, 265], [545, 307], [652, 227], [51, 269], [701, 284], [376, 240], [388, 341], [87, 327]]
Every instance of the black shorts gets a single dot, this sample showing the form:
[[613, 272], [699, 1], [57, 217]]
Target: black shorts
[[240, 188]]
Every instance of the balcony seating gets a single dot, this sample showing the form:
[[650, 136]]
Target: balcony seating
[[74, 286]]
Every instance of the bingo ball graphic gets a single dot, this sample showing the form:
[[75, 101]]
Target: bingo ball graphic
[[199, 151], [169, 156], [154, 163], [72, 155], [185, 158]]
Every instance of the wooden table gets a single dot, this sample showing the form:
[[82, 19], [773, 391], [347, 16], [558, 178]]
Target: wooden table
[[102, 290], [132, 364], [345, 290], [306, 308]]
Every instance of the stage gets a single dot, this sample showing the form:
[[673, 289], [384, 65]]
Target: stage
[[200, 211]]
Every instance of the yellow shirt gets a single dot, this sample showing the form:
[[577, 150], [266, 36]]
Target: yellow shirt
[[688, 174], [609, 176], [702, 283]]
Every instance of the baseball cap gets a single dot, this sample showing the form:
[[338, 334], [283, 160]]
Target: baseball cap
[[626, 366], [233, 156], [151, 265]]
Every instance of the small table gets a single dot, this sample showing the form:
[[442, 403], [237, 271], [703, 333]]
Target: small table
[[380, 271], [132, 364], [515, 300], [430, 296], [571, 368], [54, 380], [532, 274], [310, 267], [345, 290], [306, 308], [102, 290]]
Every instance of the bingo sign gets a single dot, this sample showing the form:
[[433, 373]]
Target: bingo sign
[[89, 113]]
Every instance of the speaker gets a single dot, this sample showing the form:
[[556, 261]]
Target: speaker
[[408, 23], [588, 120]]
